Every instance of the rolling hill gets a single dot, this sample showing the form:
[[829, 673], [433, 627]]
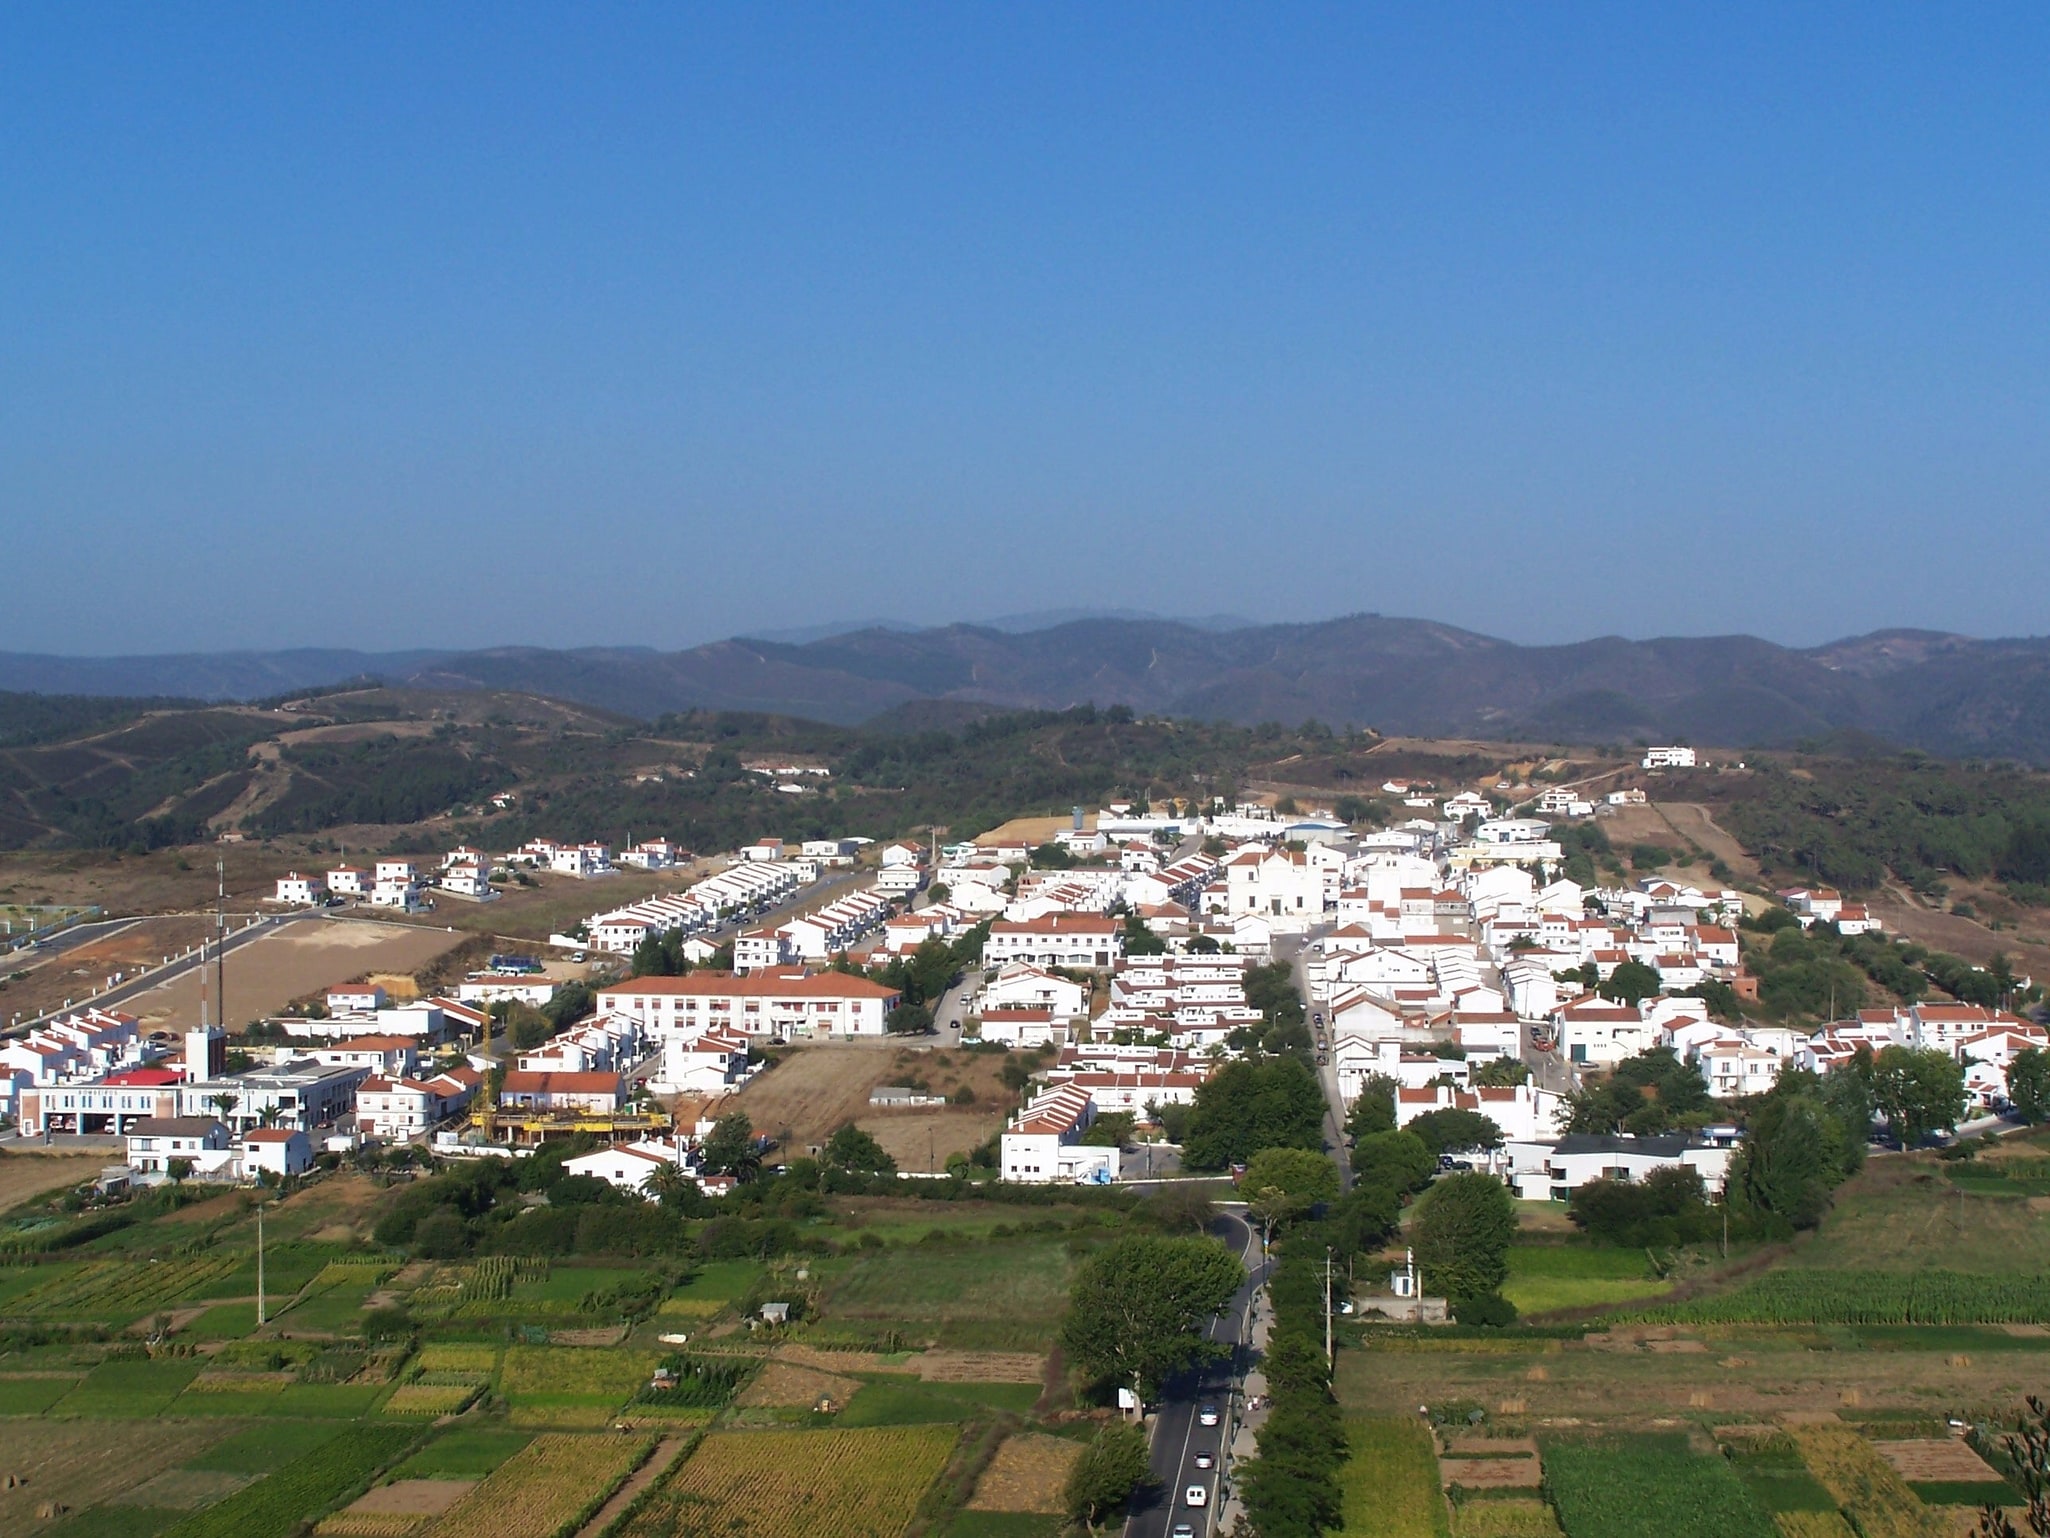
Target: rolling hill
[[1945, 694]]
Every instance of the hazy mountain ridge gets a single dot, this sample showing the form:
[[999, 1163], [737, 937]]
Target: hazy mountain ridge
[[1946, 694]]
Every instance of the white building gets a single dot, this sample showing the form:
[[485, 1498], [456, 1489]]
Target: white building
[[155, 1141], [1554, 1170], [630, 1166], [492, 987], [279, 1151], [350, 881], [652, 854], [299, 891], [780, 1003], [397, 1109], [1669, 758], [1020, 985], [1080, 940], [1043, 1146], [709, 1064]]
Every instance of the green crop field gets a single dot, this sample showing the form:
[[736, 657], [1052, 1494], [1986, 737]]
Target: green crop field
[[1391, 1482], [1545, 1277], [907, 1402], [1005, 1296], [1648, 1487]]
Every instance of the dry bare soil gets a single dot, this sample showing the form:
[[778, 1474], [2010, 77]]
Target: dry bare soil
[[819, 1088], [265, 975], [23, 1175], [74, 973]]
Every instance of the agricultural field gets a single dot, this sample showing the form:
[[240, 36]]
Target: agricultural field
[[1649, 1486], [545, 1488], [1555, 1276], [571, 1385], [1029, 1473], [824, 1484], [1390, 1481], [75, 1463], [292, 962], [1006, 1295], [391, 1396], [817, 1088], [23, 1175]]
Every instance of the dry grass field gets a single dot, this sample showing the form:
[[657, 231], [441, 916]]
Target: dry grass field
[[1744, 1372], [1031, 831], [23, 1175], [818, 1088], [74, 1463], [56, 976], [1028, 1473], [787, 1384], [266, 974], [166, 881]]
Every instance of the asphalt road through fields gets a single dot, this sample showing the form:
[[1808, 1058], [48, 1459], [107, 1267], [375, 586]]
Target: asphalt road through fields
[[1178, 1434]]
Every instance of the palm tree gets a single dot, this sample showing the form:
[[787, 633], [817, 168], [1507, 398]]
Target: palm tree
[[225, 1103], [269, 1116], [668, 1184]]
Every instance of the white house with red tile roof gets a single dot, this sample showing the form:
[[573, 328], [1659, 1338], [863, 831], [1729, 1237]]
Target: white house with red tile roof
[[279, 1151], [1043, 1145], [396, 1108], [297, 891], [1084, 941], [781, 1002], [630, 1166], [711, 1063], [595, 1093], [1019, 1026], [1021, 985], [1523, 1112]]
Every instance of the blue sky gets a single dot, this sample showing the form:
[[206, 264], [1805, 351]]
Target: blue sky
[[431, 325]]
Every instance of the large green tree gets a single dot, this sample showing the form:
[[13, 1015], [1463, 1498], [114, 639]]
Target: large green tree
[[1631, 983], [1464, 1225], [1396, 1162], [1650, 1093], [1373, 1110], [1248, 1106], [1918, 1091], [1283, 1184], [1452, 1129], [730, 1149], [1803, 1140], [1113, 1465], [1138, 1307], [2028, 1084], [850, 1148]]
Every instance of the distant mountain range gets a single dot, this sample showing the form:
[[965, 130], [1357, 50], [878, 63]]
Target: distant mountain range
[[1946, 694]]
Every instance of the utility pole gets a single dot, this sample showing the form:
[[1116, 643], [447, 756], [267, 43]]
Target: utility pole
[[259, 1264], [221, 936], [1330, 1360]]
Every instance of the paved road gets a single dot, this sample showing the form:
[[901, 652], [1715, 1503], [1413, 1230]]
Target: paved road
[[1178, 1433], [1327, 1073], [141, 983], [77, 934]]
